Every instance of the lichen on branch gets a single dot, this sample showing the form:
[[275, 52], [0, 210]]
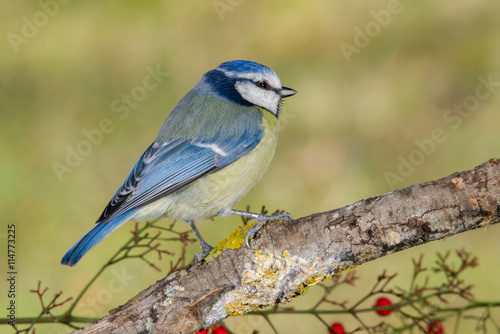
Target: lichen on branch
[[287, 257]]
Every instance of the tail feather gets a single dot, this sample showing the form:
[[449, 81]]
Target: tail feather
[[92, 238]]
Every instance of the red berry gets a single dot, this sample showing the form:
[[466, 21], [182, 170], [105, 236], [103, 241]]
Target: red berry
[[205, 331], [219, 330], [436, 328], [337, 328], [382, 301]]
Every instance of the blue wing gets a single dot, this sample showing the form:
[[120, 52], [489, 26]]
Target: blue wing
[[161, 170]]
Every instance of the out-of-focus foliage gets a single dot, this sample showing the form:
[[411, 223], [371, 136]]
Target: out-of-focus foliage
[[380, 86]]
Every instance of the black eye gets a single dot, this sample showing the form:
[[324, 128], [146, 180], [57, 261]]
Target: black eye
[[262, 84]]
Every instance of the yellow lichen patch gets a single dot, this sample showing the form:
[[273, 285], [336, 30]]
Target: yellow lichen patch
[[316, 279], [268, 267], [234, 241], [234, 309], [344, 269], [301, 290], [274, 277]]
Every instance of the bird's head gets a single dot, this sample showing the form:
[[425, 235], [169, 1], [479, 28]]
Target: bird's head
[[248, 83]]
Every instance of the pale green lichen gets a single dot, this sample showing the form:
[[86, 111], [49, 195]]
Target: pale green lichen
[[149, 324], [234, 241], [170, 294], [274, 277]]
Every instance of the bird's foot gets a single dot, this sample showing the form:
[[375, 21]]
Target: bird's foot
[[198, 258], [262, 220]]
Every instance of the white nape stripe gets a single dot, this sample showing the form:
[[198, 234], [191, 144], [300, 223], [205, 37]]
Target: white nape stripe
[[213, 147]]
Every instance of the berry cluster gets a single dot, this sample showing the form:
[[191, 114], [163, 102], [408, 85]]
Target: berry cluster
[[384, 307]]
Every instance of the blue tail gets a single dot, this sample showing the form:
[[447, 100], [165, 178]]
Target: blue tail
[[93, 237]]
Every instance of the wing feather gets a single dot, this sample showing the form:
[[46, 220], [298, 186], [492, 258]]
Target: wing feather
[[162, 170]]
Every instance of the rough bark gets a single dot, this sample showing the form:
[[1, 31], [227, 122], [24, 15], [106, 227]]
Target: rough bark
[[286, 257]]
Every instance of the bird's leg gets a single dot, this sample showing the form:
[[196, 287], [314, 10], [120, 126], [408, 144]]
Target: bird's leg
[[262, 219], [206, 248]]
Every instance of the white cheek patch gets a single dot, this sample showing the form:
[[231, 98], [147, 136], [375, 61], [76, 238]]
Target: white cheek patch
[[267, 99]]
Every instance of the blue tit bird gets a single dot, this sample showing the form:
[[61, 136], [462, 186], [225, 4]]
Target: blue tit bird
[[211, 150]]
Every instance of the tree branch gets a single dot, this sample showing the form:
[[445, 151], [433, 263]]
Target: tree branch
[[287, 257]]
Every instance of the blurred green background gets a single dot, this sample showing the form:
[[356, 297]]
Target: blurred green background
[[364, 100]]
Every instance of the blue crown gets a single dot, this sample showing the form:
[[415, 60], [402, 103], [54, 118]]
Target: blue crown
[[244, 66]]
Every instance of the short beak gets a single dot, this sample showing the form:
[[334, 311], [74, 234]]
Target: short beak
[[286, 92]]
